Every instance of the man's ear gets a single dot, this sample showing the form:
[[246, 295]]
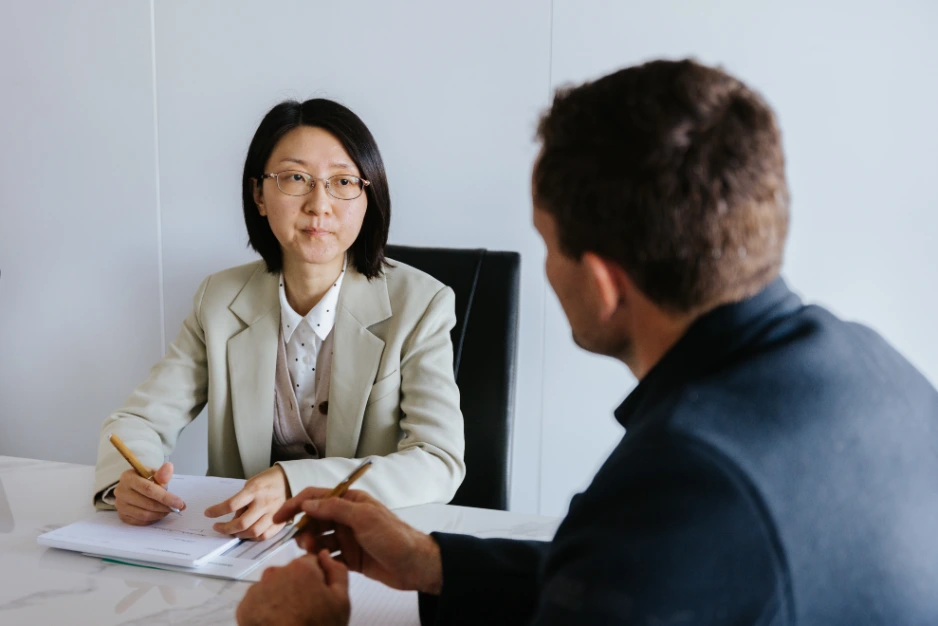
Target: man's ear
[[259, 197], [606, 279]]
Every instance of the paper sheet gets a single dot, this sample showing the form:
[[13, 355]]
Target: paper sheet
[[237, 563], [373, 603], [185, 540]]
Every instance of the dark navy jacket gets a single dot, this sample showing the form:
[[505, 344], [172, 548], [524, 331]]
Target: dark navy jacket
[[779, 466]]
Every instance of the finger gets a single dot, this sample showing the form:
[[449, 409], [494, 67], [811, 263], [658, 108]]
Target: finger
[[164, 474], [328, 541], [306, 538], [292, 506], [270, 572], [141, 501], [137, 516], [351, 551], [309, 538], [255, 530], [153, 491], [336, 573], [309, 564], [272, 530], [232, 504], [335, 510], [240, 523], [359, 496]]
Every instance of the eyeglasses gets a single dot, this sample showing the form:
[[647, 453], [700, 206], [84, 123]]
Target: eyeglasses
[[300, 183]]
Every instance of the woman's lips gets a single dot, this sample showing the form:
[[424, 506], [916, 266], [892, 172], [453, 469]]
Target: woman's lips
[[315, 232]]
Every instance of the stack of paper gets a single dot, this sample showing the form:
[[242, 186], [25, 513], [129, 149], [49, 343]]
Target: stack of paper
[[184, 541]]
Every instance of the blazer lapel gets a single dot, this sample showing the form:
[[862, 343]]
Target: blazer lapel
[[356, 356], [252, 362]]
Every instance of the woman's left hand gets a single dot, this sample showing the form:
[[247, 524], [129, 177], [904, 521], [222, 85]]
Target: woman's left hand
[[254, 506]]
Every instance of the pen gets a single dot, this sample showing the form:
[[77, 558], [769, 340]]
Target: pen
[[338, 491], [140, 468]]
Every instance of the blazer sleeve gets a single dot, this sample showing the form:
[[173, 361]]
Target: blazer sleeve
[[485, 581], [672, 535], [156, 411], [428, 465]]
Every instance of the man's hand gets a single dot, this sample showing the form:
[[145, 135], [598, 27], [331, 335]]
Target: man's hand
[[372, 539], [310, 590], [141, 502], [254, 506]]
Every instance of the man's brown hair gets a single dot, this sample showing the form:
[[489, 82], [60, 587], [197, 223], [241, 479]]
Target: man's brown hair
[[673, 170]]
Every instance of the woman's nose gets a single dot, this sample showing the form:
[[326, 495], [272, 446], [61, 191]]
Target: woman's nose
[[318, 201]]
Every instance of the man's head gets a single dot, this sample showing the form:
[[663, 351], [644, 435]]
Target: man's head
[[659, 190]]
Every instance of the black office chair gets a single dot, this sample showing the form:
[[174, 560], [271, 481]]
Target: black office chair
[[485, 346]]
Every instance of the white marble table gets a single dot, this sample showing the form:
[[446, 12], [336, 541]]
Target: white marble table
[[41, 585]]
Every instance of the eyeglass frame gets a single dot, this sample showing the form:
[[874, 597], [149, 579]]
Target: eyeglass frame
[[312, 178]]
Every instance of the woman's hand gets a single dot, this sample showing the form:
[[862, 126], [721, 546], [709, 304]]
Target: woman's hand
[[254, 506], [141, 502]]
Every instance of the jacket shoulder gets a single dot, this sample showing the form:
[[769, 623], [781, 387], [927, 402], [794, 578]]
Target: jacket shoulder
[[228, 283], [405, 281]]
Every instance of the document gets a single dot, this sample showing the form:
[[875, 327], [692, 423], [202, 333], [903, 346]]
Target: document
[[373, 603], [185, 540], [236, 563]]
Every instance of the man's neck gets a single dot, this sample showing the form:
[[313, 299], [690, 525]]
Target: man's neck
[[655, 337], [307, 283]]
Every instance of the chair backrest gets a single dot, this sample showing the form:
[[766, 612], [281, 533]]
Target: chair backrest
[[485, 346]]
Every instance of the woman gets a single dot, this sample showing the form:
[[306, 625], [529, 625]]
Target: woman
[[319, 353]]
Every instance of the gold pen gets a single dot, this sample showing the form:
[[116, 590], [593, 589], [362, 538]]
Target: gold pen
[[139, 467], [338, 491]]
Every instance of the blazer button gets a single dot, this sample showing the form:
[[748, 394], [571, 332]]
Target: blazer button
[[324, 407], [310, 449]]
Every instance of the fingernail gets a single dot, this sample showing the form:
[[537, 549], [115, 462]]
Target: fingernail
[[312, 505]]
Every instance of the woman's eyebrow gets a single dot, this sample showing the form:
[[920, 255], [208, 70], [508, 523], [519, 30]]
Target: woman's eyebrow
[[338, 165], [294, 160]]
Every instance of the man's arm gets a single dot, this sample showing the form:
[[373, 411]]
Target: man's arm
[[485, 581], [670, 532]]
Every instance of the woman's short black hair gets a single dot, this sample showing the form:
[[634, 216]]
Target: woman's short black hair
[[367, 253]]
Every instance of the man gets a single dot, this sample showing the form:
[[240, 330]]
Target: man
[[779, 466]]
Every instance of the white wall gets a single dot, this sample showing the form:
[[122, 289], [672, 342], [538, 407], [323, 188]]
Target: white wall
[[127, 102], [79, 270]]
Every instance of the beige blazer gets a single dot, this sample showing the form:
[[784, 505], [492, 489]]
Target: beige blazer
[[393, 395]]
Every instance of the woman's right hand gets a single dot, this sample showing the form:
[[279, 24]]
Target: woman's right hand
[[141, 502]]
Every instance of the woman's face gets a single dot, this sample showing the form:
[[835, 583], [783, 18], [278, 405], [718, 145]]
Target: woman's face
[[316, 228]]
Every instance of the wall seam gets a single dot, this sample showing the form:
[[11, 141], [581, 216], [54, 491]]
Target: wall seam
[[540, 445], [156, 163]]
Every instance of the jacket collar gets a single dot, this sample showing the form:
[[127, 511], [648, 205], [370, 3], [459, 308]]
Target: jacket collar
[[712, 339], [252, 360], [356, 358], [258, 296]]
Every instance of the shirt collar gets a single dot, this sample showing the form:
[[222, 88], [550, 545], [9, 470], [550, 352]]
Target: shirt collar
[[320, 319], [710, 341]]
